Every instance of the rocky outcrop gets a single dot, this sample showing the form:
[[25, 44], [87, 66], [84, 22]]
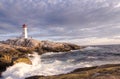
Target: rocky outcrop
[[10, 55], [13, 51], [27, 45], [48, 46], [97, 72]]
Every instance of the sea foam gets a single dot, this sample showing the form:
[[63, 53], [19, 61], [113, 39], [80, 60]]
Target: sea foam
[[46, 67]]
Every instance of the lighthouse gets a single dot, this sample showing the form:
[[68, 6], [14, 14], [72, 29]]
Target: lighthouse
[[25, 34]]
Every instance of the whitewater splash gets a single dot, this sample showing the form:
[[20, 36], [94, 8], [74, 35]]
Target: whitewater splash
[[91, 48], [22, 70], [54, 64]]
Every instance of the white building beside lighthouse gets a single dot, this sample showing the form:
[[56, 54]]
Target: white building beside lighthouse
[[25, 34]]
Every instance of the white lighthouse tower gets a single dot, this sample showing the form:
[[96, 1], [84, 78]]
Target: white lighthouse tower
[[25, 34]]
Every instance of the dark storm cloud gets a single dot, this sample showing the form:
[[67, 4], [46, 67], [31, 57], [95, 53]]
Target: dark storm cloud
[[61, 19]]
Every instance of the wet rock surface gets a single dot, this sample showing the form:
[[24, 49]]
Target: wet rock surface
[[14, 51]]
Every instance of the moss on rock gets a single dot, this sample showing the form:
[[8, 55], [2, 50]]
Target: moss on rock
[[23, 60]]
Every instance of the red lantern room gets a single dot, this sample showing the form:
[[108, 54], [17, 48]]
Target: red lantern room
[[24, 26]]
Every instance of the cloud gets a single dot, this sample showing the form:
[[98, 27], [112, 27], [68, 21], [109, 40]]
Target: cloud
[[93, 41], [61, 19]]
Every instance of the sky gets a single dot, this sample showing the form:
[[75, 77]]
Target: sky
[[81, 22]]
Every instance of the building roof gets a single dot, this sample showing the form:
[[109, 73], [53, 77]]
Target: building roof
[[24, 26]]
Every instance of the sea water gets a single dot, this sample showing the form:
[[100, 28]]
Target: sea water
[[64, 62]]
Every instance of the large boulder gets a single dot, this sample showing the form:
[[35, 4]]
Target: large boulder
[[5, 61], [8, 53]]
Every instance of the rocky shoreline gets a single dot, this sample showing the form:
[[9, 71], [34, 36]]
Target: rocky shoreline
[[111, 71], [13, 51]]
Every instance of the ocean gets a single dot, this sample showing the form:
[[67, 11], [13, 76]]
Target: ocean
[[64, 62]]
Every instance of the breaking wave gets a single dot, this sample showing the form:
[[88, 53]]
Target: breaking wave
[[59, 63], [91, 48]]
